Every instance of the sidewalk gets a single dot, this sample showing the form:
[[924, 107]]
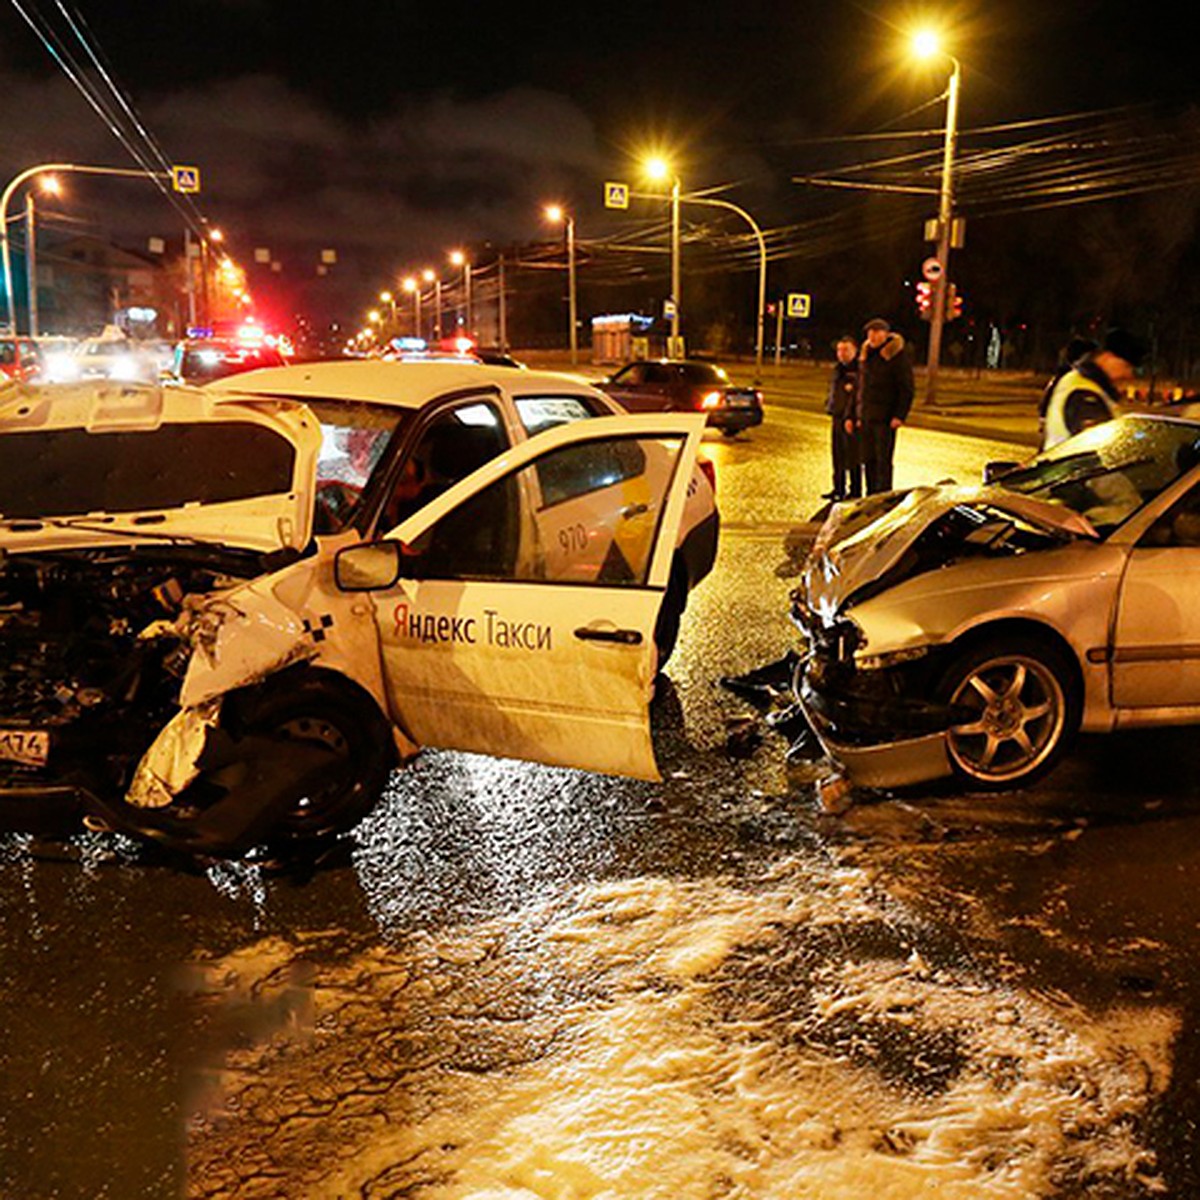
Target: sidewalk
[[1001, 407], [997, 405]]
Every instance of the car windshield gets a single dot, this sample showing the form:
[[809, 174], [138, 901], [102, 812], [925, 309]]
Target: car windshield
[[354, 436], [1109, 471]]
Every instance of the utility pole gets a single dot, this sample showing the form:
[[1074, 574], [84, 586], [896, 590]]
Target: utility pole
[[189, 275], [675, 270], [31, 263], [503, 308], [941, 285]]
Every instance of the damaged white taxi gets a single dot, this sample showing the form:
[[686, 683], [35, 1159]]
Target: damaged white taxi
[[226, 616], [972, 631]]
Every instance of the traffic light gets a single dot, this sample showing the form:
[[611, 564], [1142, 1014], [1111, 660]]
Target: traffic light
[[924, 299], [954, 304]]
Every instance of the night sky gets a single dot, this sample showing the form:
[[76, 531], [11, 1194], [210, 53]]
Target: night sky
[[392, 132]]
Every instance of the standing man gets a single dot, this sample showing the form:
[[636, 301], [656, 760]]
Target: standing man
[[1089, 392], [839, 404], [885, 394]]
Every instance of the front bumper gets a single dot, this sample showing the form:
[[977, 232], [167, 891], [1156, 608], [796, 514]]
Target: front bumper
[[876, 726], [893, 761]]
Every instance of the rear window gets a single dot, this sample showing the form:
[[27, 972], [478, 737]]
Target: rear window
[[70, 472], [538, 413], [703, 373]]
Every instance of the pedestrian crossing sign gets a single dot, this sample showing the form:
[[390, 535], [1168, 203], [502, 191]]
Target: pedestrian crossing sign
[[185, 179], [616, 195], [799, 304]]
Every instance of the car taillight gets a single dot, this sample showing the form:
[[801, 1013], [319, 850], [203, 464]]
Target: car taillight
[[711, 400], [709, 471]]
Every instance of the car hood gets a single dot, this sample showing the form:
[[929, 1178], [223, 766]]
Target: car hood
[[862, 541], [102, 464]]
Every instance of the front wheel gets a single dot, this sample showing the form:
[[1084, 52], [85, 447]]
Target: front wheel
[[1019, 708], [327, 713]]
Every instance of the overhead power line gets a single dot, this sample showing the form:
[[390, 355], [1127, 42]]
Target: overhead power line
[[129, 129]]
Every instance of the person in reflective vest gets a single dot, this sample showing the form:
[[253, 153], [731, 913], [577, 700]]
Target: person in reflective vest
[[1089, 393]]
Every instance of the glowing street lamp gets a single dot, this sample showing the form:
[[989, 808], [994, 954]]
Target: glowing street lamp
[[658, 170], [555, 213], [926, 45], [459, 259]]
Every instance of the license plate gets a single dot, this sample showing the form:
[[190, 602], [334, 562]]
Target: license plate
[[740, 401], [29, 747]]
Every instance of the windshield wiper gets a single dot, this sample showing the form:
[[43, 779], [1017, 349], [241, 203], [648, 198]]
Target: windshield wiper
[[1093, 471]]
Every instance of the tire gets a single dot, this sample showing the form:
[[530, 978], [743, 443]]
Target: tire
[[1026, 705], [312, 704], [666, 629], [730, 433]]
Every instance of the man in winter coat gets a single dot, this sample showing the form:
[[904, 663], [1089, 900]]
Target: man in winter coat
[[885, 394], [839, 404], [1089, 393]]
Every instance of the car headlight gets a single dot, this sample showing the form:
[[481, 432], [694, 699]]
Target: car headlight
[[893, 658]]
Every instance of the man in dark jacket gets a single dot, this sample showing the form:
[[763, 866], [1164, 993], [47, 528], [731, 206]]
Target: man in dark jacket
[[885, 394], [839, 404]]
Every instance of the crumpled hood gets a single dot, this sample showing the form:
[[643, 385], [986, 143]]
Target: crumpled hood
[[96, 464], [862, 540]]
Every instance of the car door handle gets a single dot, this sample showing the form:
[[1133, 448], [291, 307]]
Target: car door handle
[[634, 510], [624, 637]]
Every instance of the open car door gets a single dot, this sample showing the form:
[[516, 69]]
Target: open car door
[[519, 609]]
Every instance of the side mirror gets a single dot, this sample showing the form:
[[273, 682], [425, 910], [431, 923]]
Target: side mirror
[[994, 471], [369, 567]]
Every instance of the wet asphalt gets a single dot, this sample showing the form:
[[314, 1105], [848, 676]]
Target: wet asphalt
[[120, 1019]]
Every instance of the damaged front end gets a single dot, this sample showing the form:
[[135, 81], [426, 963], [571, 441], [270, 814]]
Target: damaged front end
[[91, 666], [870, 680], [876, 722]]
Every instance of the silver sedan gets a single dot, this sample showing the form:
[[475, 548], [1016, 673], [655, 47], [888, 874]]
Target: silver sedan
[[972, 631]]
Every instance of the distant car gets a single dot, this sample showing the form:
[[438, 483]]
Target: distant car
[[19, 358], [686, 385], [117, 358], [971, 631], [227, 613], [201, 360], [497, 358]]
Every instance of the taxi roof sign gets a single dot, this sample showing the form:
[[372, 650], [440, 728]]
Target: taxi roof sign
[[185, 179]]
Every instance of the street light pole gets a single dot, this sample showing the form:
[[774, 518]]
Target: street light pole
[[29, 173], [762, 272], [31, 263], [572, 309], [675, 267], [945, 226], [556, 212]]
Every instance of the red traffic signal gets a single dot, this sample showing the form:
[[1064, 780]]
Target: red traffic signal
[[924, 299]]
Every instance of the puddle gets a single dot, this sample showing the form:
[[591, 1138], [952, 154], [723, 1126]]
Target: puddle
[[786, 1037]]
